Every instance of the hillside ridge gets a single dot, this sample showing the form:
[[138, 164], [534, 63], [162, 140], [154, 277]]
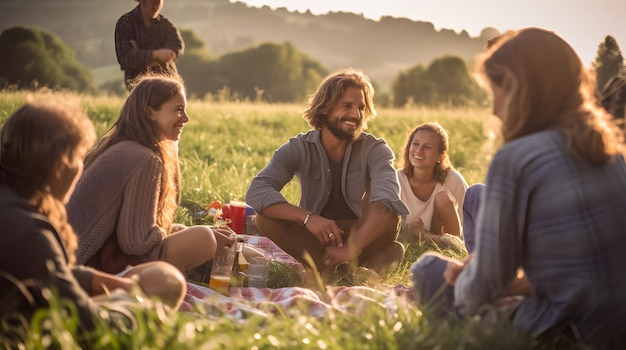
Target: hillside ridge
[[381, 48]]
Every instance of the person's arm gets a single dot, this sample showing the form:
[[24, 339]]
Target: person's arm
[[498, 252], [174, 40], [103, 282], [129, 55], [40, 258], [519, 286], [384, 208], [454, 269], [173, 45], [137, 230], [378, 219], [264, 190], [384, 185], [96, 282], [161, 56], [385, 204], [326, 230], [265, 197]]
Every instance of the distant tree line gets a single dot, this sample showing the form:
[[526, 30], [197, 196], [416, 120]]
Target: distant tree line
[[32, 58], [271, 72], [608, 63], [446, 81], [611, 79]]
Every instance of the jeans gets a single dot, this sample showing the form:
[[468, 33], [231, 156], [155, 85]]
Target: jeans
[[431, 291], [470, 213]]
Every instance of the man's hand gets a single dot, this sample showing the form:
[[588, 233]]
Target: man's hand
[[326, 230], [337, 255], [163, 55]]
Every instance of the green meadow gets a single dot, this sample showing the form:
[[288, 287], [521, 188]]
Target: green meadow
[[225, 144], [221, 149]]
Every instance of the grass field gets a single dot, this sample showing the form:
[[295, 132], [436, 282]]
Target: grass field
[[221, 149]]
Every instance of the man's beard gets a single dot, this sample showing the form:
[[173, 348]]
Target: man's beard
[[340, 133]]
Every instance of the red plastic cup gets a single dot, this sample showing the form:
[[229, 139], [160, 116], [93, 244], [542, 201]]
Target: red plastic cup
[[237, 215]]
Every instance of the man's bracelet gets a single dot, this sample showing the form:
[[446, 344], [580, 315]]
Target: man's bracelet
[[306, 219]]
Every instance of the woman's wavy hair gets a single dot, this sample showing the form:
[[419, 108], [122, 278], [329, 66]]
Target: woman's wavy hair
[[33, 140], [133, 124], [330, 91], [546, 85], [443, 168]]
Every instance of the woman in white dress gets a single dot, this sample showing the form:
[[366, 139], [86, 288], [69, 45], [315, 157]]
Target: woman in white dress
[[430, 187]]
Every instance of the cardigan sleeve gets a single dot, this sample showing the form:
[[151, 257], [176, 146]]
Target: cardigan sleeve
[[137, 230]]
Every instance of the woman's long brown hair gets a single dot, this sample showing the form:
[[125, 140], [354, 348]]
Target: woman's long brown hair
[[134, 124], [547, 85], [33, 140]]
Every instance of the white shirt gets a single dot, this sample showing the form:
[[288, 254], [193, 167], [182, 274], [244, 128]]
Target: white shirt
[[454, 183]]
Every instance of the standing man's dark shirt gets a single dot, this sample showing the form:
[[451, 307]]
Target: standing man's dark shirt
[[136, 44]]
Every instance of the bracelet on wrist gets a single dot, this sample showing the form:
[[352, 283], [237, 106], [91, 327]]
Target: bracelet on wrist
[[306, 218]]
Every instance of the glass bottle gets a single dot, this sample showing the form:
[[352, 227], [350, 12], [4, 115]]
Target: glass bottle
[[240, 265]]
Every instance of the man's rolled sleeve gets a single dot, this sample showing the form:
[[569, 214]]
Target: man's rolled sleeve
[[264, 190], [385, 186]]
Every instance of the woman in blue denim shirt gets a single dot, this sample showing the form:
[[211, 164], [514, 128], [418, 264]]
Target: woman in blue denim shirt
[[550, 227]]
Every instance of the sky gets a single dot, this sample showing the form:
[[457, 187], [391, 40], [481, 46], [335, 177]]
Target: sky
[[583, 23]]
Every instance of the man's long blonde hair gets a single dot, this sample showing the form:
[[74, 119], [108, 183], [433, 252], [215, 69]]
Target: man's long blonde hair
[[330, 91]]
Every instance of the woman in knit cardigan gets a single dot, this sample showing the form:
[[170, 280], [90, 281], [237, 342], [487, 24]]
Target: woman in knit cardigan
[[42, 146], [124, 205]]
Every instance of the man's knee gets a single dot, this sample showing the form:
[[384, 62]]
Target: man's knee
[[269, 227]]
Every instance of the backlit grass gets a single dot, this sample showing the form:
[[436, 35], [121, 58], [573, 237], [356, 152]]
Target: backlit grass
[[221, 149]]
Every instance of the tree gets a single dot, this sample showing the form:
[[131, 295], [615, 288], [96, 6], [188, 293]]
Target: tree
[[197, 67], [34, 57], [608, 63], [446, 81], [410, 84], [279, 73], [272, 72]]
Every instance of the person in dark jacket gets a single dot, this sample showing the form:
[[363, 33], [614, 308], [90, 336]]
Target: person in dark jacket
[[146, 40], [42, 147]]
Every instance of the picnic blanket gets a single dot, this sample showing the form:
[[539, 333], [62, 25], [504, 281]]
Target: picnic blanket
[[270, 250], [244, 302]]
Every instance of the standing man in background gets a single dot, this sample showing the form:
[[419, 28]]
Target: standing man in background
[[145, 40]]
